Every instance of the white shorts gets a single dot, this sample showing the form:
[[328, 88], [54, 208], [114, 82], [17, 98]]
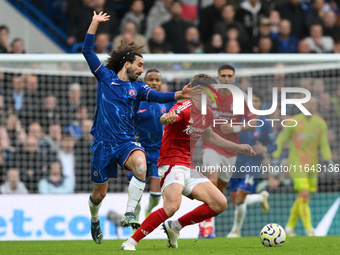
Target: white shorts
[[185, 176], [222, 164]]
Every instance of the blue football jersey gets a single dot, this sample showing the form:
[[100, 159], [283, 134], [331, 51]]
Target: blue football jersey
[[148, 127], [117, 100]]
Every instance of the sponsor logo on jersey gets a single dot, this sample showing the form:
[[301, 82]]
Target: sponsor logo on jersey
[[142, 110], [189, 130], [132, 92], [114, 83]]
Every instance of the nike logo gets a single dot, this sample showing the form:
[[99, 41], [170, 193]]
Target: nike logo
[[144, 110], [113, 83]]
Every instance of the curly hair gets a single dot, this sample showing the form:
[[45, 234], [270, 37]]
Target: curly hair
[[125, 52]]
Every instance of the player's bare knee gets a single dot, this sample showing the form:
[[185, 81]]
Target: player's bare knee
[[140, 171], [98, 196], [170, 210]]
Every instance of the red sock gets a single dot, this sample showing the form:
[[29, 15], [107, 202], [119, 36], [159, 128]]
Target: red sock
[[149, 224], [197, 215]]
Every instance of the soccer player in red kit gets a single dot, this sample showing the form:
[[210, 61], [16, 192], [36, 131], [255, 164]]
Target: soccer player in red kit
[[214, 156], [184, 125]]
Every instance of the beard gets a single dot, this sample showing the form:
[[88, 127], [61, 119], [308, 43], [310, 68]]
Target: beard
[[131, 74]]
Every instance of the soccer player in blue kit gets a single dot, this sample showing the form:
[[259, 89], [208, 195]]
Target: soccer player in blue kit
[[244, 180], [149, 133], [118, 98]]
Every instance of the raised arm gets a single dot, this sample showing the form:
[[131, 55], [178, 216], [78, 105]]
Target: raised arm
[[87, 49]]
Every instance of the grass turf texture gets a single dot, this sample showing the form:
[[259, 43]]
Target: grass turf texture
[[246, 245]]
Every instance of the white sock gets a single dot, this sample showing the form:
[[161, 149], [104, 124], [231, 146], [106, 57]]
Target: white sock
[[94, 210], [239, 214], [253, 199], [135, 191], [176, 225], [137, 210], [154, 199], [131, 240]]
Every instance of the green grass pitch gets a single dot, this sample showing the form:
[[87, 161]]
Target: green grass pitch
[[246, 245]]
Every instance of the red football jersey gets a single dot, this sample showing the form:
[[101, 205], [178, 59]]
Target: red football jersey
[[225, 111], [179, 138]]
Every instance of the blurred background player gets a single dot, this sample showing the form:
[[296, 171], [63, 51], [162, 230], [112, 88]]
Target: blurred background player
[[243, 184], [118, 97], [214, 156], [305, 138], [185, 124], [149, 133]]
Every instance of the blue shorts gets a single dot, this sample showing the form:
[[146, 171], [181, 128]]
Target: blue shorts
[[106, 155], [247, 184], [151, 162]]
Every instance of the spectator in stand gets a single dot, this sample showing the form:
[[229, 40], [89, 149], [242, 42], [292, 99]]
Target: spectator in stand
[[81, 19], [303, 47], [83, 154], [49, 113], [264, 31], [135, 15], [228, 19], [316, 13], [32, 165], [32, 99], [13, 185], [15, 98], [35, 130], [215, 45], [75, 127], [102, 43], [192, 38], [232, 33], [208, 18], [265, 45], [4, 39], [274, 20], [232, 47], [14, 135], [286, 43], [294, 12], [157, 43], [176, 28], [18, 46], [330, 28], [130, 28], [250, 14], [54, 137], [75, 99], [55, 183], [159, 13], [67, 158], [318, 42]]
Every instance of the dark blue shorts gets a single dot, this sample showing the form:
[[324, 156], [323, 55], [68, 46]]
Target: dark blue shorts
[[248, 184], [106, 156], [151, 162]]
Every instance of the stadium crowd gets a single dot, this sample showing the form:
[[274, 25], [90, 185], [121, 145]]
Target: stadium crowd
[[213, 26]]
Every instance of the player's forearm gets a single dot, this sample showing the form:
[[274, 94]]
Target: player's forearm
[[87, 50], [218, 141], [93, 27], [160, 97]]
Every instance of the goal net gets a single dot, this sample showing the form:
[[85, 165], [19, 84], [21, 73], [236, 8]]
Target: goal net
[[47, 104]]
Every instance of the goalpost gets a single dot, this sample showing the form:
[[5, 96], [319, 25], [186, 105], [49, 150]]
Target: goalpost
[[61, 97]]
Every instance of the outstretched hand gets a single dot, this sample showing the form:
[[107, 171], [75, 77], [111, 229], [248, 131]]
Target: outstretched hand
[[186, 91], [100, 17], [246, 149]]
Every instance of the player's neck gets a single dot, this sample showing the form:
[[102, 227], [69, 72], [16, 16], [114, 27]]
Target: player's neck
[[197, 103], [122, 75], [224, 92]]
